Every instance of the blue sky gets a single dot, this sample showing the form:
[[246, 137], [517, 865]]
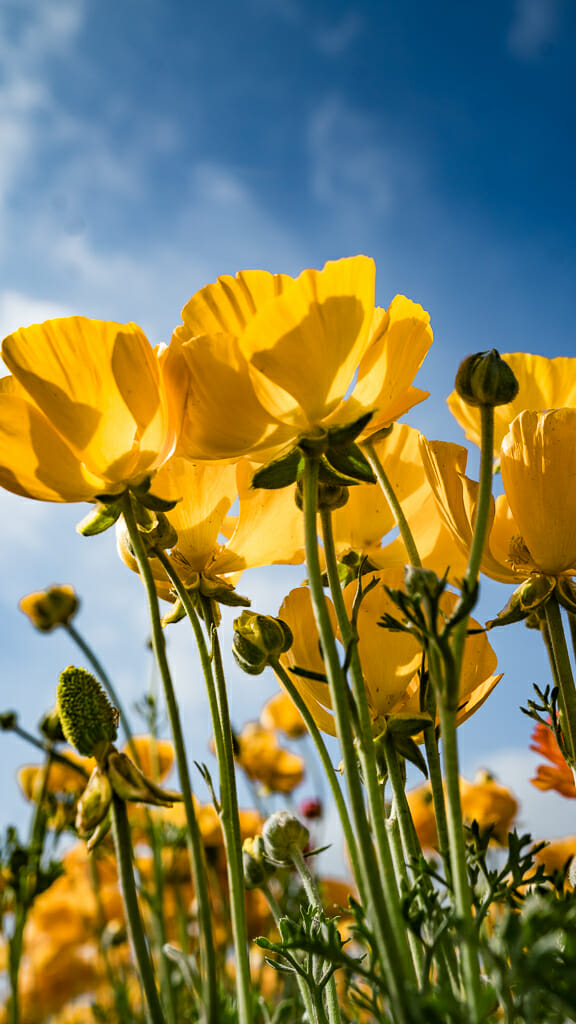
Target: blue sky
[[151, 145]]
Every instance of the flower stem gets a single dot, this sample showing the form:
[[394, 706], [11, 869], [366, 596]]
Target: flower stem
[[370, 882], [395, 506], [218, 701], [195, 846], [123, 847], [324, 756], [302, 984], [565, 676]]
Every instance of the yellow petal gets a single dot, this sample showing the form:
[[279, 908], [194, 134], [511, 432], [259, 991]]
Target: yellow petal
[[304, 347], [297, 612], [280, 712], [544, 384], [400, 339], [223, 418], [35, 462], [228, 305], [98, 383], [268, 531], [154, 757], [538, 462]]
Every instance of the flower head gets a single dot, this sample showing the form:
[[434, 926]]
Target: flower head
[[90, 408], [279, 356], [556, 775]]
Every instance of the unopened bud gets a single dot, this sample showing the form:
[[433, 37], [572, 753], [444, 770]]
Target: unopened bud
[[485, 379], [94, 803], [330, 496], [257, 638], [280, 833], [89, 722], [51, 727], [421, 583], [256, 865], [49, 608]]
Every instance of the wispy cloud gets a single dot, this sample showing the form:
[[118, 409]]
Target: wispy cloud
[[335, 38], [534, 26]]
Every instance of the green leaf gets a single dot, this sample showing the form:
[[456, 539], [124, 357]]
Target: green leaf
[[100, 519], [406, 746], [350, 461], [347, 433], [280, 472]]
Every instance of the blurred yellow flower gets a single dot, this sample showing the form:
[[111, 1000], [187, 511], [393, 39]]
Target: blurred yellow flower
[[492, 806], [154, 757], [271, 358], [90, 408], [557, 854], [281, 713], [267, 530], [263, 759], [390, 660], [531, 530], [52, 607], [544, 384]]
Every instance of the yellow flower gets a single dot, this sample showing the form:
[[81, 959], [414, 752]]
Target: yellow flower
[[557, 855], [491, 805], [272, 358], [263, 759], [268, 529], [90, 408], [281, 713], [154, 757], [390, 660], [544, 384], [532, 530], [49, 608]]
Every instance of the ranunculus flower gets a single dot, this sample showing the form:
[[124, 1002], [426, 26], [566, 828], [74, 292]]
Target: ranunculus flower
[[272, 358], [557, 775], [90, 409], [390, 660], [544, 384], [533, 525]]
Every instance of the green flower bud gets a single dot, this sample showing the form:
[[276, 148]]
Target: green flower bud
[[257, 868], [257, 639], [421, 583], [51, 727], [330, 496], [94, 803], [485, 379], [89, 722], [129, 783], [49, 608], [8, 720], [280, 833], [248, 655]]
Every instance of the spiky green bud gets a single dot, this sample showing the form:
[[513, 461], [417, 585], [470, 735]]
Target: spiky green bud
[[89, 721], [281, 832]]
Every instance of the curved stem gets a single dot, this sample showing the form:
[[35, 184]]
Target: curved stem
[[369, 882], [218, 701], [195, 845], [123, 847], [324, 756], [395, 506], [366, 747], [564, 675]]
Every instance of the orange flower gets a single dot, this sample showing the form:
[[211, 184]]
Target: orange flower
[[556, 775], [264, 760]]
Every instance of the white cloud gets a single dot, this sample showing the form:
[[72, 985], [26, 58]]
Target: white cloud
[[535, 24], [334, 39], [19, 310]]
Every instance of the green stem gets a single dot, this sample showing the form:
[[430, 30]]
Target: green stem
[[194, 836], [395, 506], [217, 698], [329, 770], [314, 900], [565, 676], [46, 748], [436, 785], [370, 881], [104, 678], [123, 847], [366, 747], [302, 984]]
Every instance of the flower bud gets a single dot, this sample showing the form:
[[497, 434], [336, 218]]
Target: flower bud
[[49, 608], [94, 803], [280, 833], [256, 866], [257, 638], [330, 496], [311, 808], [51, 727], [89, 722], [421, 583], [485, 379]]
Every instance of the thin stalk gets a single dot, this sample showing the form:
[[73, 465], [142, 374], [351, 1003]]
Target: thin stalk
[[395, 506], [436, 785], [565, 675], [195, 845], [123, 847], [314, 900], [217, 698], [46, 748], [366, 746], [302, 985], [329, 770], [369, 882]]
